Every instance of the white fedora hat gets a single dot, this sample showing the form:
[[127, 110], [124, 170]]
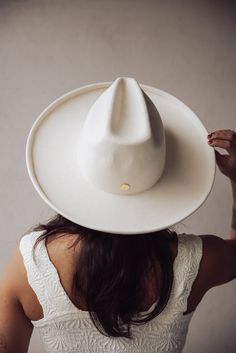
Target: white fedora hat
[[120, 157]]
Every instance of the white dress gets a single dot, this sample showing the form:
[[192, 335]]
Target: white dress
[[66, 329]]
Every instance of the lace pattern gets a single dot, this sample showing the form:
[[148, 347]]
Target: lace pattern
[[65, 328]]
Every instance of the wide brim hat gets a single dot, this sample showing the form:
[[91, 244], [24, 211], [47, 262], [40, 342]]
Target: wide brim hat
[[56, 139]]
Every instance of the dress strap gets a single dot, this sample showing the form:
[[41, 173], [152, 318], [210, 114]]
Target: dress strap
[[186, 267], [43, 277]]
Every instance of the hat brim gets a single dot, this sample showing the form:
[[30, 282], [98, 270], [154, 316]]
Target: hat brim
[[51, 158]]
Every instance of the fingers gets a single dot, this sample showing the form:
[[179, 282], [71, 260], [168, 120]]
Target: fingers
[[229, 135], [222, 138], [221, 143]]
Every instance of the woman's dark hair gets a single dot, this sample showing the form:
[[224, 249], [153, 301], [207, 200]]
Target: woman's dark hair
[[111, 270]]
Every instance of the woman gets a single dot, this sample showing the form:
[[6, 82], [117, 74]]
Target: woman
[[87, 291], [19, 304]]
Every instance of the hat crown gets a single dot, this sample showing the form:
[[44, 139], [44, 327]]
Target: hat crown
[[122, 144]]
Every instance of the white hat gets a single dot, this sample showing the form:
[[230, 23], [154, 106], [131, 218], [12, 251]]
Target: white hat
[[120, 157]]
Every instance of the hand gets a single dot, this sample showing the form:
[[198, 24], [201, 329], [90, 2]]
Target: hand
[[225, 139]]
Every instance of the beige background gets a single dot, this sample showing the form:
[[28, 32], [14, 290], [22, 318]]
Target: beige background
[[186, 48]]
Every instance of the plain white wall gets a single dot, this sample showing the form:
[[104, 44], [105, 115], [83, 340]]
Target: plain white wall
[[186, 48]]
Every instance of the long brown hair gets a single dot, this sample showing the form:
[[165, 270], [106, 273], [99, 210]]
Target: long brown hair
[[111, 270]]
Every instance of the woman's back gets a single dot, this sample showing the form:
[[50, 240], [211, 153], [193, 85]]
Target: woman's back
[[39, 293], [65, 327]]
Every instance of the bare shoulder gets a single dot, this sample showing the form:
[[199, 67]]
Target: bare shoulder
[[13, 277], [218, 264], [15, 327]]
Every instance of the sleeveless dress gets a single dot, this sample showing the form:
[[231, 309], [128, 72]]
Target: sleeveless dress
[[66, 329]]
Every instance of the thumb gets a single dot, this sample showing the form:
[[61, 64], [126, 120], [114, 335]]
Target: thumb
[[221, 160]]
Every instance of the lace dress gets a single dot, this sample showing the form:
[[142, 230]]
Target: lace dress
[[66, 329]]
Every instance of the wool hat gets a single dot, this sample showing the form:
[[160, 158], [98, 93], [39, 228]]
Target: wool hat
[[120, 157]]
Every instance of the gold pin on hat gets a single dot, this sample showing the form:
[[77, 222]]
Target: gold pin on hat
[[125, 186]]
